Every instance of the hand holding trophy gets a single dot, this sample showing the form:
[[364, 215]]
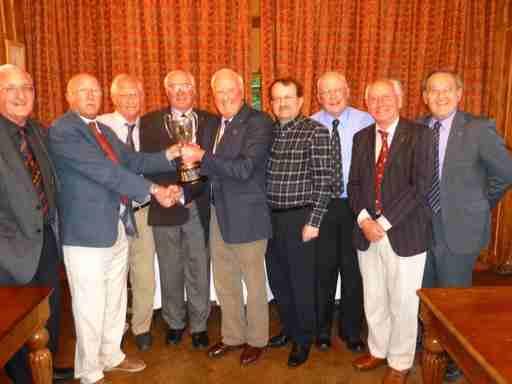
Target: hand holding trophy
[[181, 130]]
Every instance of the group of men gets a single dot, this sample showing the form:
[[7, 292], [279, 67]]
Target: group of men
[[386, 203]]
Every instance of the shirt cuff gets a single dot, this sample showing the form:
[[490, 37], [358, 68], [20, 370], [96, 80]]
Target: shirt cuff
[[363, 215], [384, 223]]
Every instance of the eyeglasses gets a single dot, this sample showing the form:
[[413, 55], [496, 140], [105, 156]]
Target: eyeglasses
[[286, 99], [332, 92], [89, 91], [128, 96], [12, 90], [176, 87]]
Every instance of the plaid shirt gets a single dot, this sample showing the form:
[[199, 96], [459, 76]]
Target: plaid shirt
[[299, 171]]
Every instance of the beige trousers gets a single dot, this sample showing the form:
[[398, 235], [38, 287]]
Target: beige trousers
[[232, 264], [142, 273]]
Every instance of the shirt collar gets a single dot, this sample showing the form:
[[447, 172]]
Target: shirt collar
[[119, 117], [176, 112], [343, 117], [446, 122], [391, 129]]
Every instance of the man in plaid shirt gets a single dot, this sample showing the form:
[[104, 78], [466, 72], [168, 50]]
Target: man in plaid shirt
[[299, 178]]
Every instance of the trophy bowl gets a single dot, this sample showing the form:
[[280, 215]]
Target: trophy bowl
[[181, 131]]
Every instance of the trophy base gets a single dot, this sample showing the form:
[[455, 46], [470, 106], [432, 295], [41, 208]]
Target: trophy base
[[189, 173]]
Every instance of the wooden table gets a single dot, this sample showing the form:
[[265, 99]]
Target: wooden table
[[24, 312], [474, 325]]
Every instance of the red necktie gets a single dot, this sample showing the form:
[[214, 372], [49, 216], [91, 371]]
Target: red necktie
[[102, 141], [379, 170], [34, 170]]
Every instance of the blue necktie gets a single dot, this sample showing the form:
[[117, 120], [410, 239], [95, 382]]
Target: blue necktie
[[434, 195]]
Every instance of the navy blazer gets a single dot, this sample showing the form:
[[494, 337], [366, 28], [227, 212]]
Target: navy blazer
[[91, 185], [405, 185], [237, 174]]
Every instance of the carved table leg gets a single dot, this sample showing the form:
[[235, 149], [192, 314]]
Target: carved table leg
[[434, 358], [40, 358]]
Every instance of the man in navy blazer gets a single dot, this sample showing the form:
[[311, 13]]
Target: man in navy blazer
[[388, 183], [98, 174], [240, 218]]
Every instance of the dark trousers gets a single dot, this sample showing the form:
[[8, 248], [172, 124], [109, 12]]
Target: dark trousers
[[444, 268], [336, 255], [47, 275], [290, 268]]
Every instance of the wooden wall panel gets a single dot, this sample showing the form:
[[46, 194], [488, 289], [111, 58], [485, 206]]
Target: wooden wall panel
[[13, 29], [499, 253]]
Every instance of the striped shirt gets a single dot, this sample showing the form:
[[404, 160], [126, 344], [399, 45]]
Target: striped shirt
[[299, 171]]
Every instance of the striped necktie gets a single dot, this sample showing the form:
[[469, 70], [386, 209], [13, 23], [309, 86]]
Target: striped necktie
[[434, 195]]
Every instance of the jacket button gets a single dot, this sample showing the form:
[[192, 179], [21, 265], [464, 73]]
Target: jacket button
[[38, 230], [38, 207]]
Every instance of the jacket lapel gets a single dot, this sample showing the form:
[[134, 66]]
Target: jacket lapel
[[401, 135], [233, 130], [456, 131]]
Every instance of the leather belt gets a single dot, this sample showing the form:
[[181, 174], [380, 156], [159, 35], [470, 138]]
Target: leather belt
[[135, 209]]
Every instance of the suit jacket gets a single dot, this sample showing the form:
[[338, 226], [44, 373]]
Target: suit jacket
[[237, 175], [154, 137], [21, 218], [477, 170], [405, 185], [91, 184]]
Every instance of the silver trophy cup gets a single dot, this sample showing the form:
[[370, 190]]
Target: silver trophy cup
[[181, 131]]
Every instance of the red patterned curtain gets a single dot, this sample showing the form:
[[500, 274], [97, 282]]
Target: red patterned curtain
[[144, 37], [368, 39]]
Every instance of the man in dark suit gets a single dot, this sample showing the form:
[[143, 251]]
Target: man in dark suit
[[98, 176], [473, 170], [30, 251], [180, 231], [240, 219], [388, 183]]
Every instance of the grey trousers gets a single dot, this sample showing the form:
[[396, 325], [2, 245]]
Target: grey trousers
[[184, 267]]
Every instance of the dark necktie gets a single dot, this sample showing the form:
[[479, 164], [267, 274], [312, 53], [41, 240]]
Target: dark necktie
[[33, 168], [129, 138], [379, 171], [127, 216], [337, 184], [434, 195]]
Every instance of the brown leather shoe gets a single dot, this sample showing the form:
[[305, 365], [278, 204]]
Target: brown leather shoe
[[250, 354], [394, 376], [367, 362], [129, 364], [220, 349]]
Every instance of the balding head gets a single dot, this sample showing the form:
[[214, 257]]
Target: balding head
[[84, 95], [180, 88], [16, 94], [127, 96], [333, 93], [228, 91], [384, 100]]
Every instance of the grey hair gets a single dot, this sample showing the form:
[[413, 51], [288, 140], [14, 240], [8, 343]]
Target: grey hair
[[227, 71]]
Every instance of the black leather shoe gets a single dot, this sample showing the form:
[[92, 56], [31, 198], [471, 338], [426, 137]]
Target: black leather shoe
[[355, 346], [144, 341], [174, 336], [200, 340], [278, 341], [453, 373], [323, 342], [298, 355], [63, 374]]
